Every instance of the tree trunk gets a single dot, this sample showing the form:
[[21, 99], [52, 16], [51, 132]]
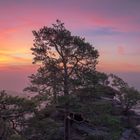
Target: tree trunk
[[66, 94], [54, 95]]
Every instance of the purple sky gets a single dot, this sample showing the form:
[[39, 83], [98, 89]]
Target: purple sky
[[112, 26]]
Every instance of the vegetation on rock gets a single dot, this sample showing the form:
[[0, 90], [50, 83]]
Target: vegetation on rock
[[78, 102]]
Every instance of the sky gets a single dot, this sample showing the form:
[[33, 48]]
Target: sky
[[112, 26]]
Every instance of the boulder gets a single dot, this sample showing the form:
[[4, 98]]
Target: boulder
[[137, 128], [130, 134], [126, 134]]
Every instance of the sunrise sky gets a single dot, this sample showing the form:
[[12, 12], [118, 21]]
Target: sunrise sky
[[112, 26]]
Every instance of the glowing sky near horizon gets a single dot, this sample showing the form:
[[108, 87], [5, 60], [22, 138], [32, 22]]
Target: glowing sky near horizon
[[112, 26]]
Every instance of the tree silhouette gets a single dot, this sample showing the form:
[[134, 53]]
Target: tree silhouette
[[63, 60], [13, 112], [127, 95]]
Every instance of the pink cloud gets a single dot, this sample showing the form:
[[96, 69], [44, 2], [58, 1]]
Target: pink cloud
[[120, 50], [118, 67]]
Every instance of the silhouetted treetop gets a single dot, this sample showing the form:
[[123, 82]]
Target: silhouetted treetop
[[57, 44]]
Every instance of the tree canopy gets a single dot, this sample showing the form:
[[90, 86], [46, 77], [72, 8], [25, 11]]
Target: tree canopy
[[64, 59]]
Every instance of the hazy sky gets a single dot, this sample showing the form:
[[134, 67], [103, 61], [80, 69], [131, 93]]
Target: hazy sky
[[112, 26]]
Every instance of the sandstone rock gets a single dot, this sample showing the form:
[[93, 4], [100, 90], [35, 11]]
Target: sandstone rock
[[126, 134], [137, 129]]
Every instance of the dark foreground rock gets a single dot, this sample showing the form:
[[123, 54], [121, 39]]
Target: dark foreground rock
[[130, 134]]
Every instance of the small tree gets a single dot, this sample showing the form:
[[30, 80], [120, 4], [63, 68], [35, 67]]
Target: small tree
[[128, 96], [13, 112], [64, 58]]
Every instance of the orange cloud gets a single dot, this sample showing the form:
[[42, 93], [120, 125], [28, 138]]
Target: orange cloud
[[14, 58]]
